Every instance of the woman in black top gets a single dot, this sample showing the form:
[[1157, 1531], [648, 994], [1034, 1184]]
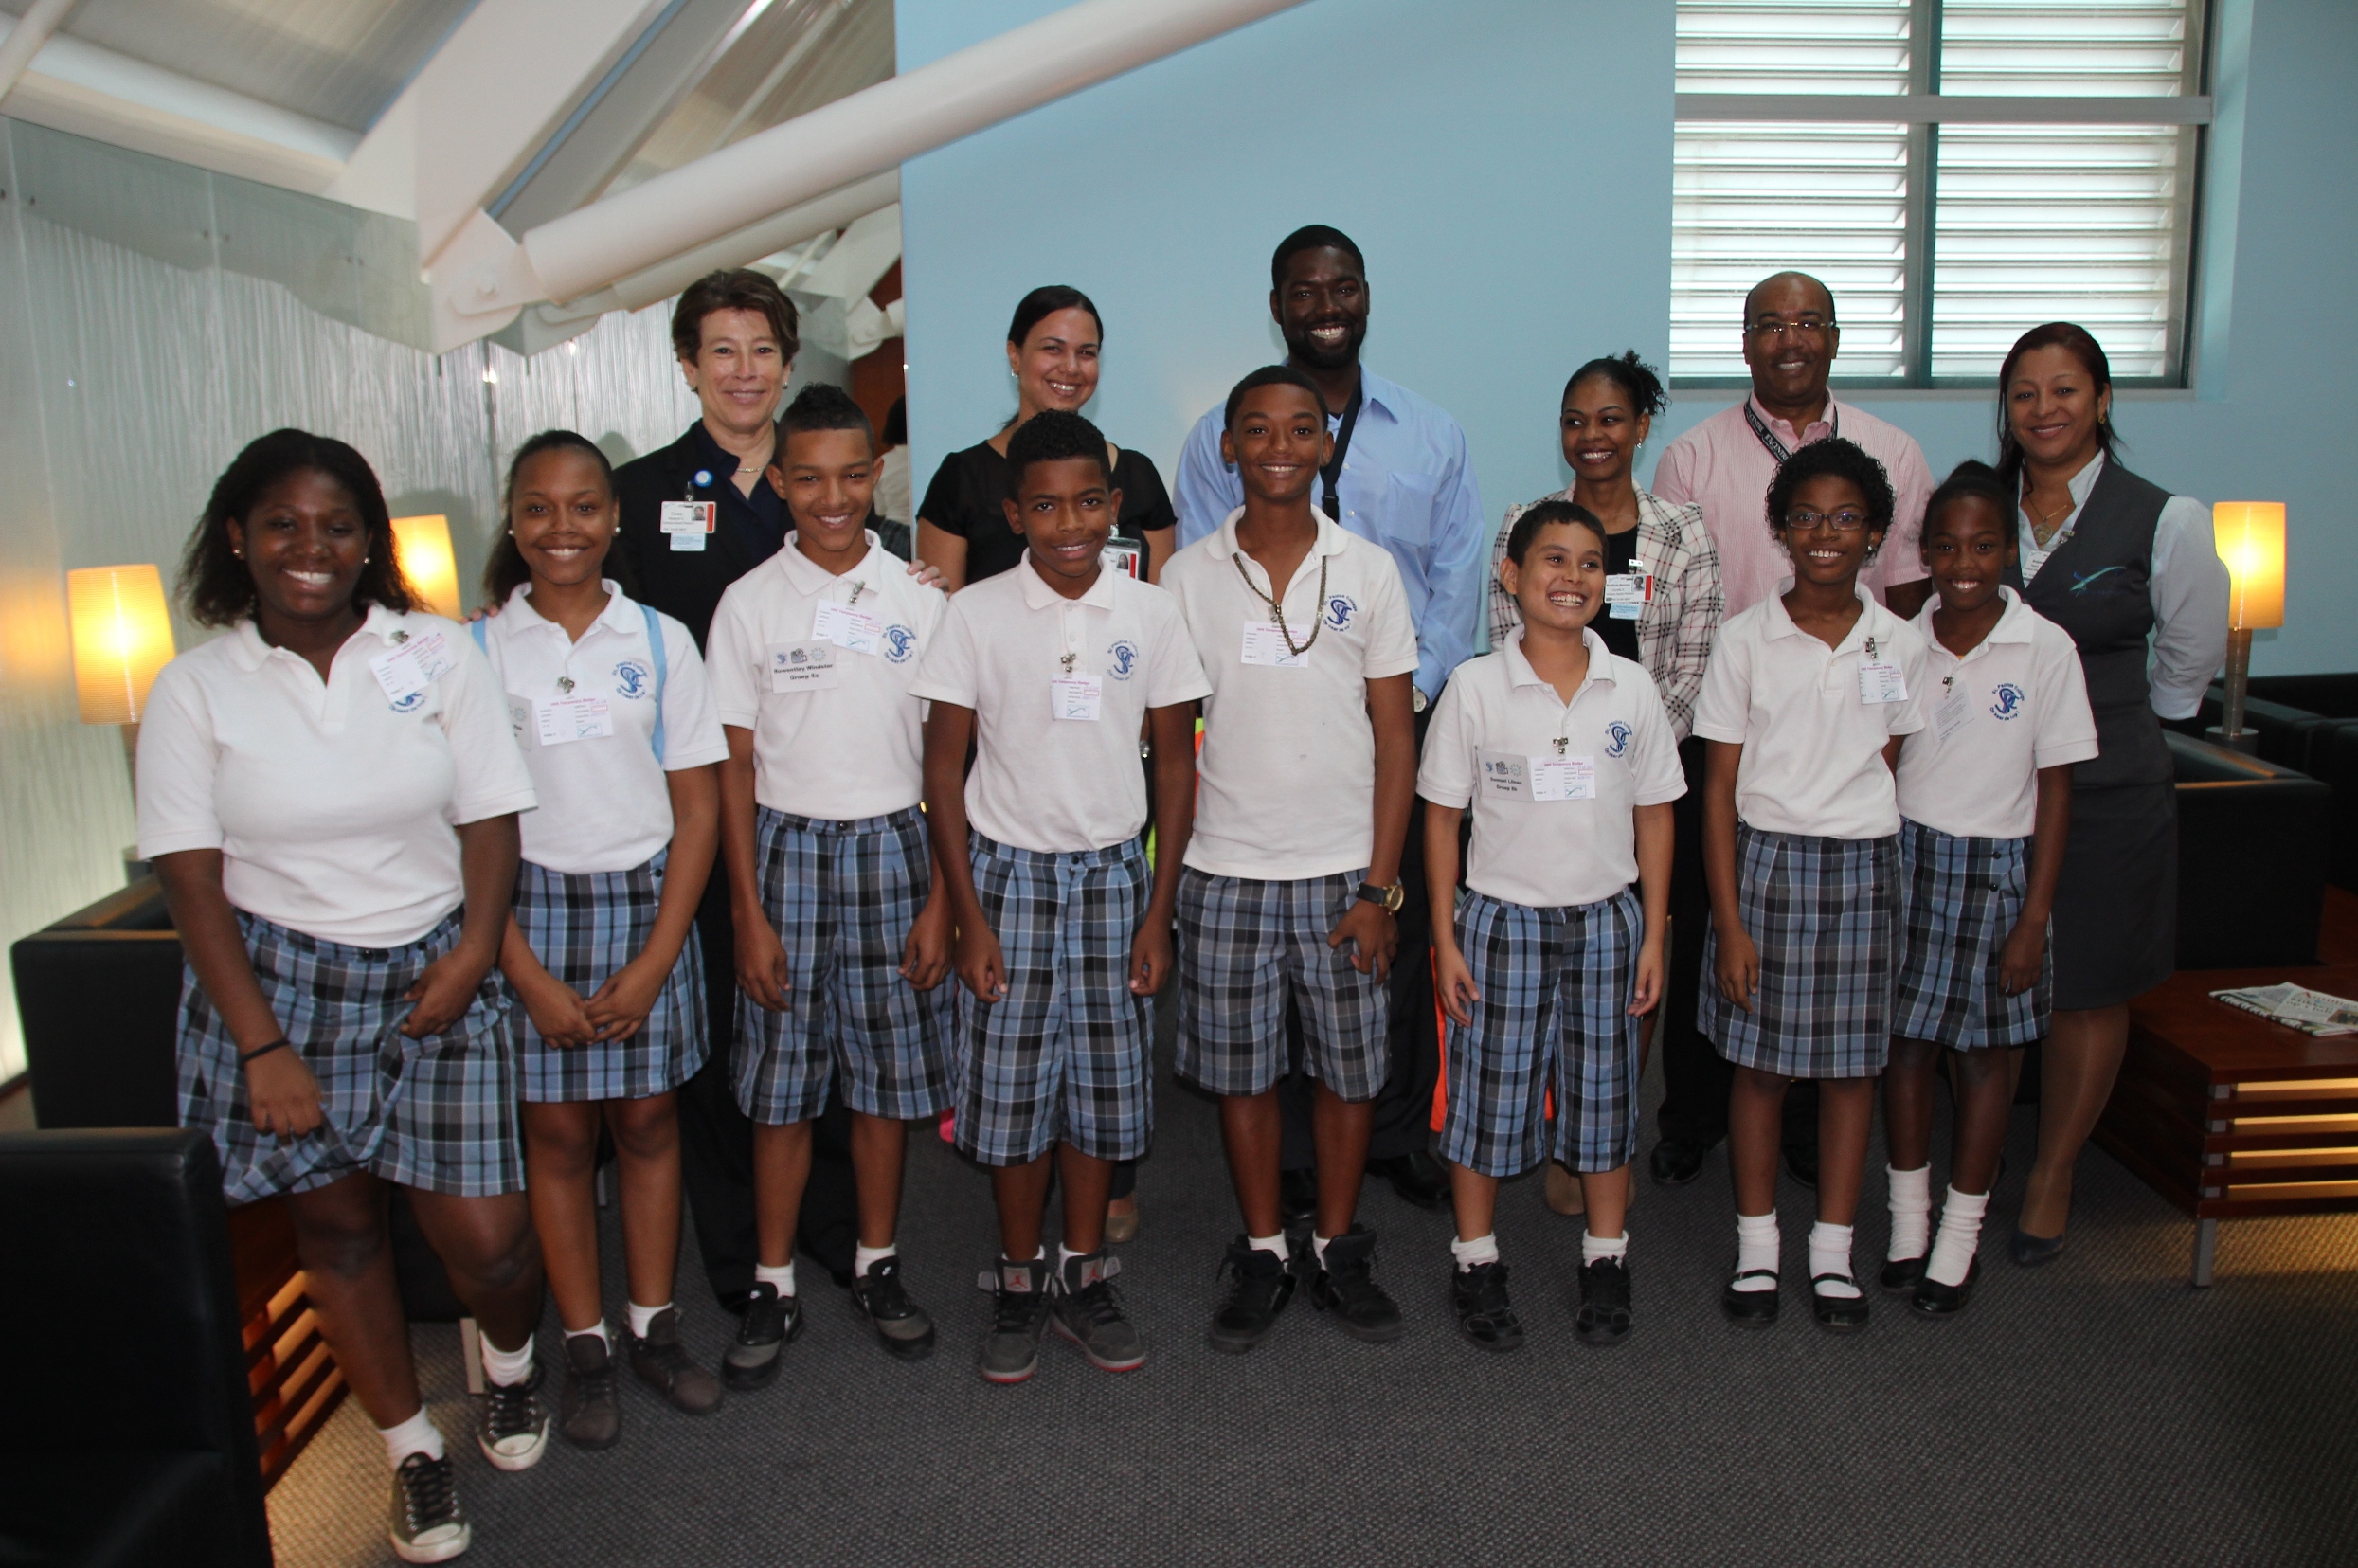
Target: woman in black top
[[1051, 352]]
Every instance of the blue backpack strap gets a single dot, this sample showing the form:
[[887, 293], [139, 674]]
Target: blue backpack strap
[[481, 631], [663, 671]]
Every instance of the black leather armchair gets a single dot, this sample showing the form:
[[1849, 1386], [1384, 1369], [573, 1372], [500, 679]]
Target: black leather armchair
[[2251, 880], [2306, 722], [139, 1454]]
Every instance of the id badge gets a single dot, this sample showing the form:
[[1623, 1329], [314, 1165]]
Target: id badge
[[1881, 681], [1563, 778], [804, 667], [1076, 698], [689, 523], [854, 631], [1124, 556], [433, 655], [575, 719], [1954, 708], [1265, 644], [1506, 775], [397, 671], [1626, 594]]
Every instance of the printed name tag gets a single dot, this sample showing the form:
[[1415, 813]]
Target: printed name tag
[[1627, 593], [1076, 698], [854, 630], [1563, 778], [804, 667], [1505, 775], [689, 522], [574, 719], [433, 655], [1123, 555], [1954, 711], [404, 682], [1265, 644], [1879, 681]]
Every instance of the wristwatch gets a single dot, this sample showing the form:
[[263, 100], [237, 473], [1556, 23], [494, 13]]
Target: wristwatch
[[1391, 898]]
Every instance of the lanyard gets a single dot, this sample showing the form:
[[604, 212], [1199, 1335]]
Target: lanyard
[[1767, 436], [1277, 609], [1332, 472]]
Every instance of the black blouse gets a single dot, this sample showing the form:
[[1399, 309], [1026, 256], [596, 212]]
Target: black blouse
[[969, 488]]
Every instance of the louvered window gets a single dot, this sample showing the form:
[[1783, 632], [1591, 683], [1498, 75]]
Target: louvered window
[[1957, 171]]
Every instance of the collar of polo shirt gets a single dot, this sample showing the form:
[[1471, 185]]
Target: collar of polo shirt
[[1037, 595], [2013, 624], [1781, 623], [808, 577], [1331, 539], [1520, 673], [619, 615], [251, 652]]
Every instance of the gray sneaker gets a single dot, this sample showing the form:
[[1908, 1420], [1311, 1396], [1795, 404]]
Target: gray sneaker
[[662, 1364], [589, 1412], [903, 1327], [1090, 1314], [771, 1323], [427, 1524], [1020, 1296]]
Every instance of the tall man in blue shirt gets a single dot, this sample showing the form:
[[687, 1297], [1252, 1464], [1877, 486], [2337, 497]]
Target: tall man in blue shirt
[[1402, 478]]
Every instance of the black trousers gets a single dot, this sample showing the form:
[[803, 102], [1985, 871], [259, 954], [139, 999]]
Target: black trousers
[[717, 1140]]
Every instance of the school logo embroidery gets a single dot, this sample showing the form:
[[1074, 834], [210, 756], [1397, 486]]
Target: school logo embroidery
[[899, 642], [632, 679], [1341, 607], [1616, 738], [2010, 700], [1121, 660], [411, 703]]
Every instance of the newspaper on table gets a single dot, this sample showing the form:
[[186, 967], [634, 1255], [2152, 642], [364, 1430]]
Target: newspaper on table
[[2297, 1007]]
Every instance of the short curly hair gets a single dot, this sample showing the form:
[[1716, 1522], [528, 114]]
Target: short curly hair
[[216, 586], [1053, 435], [1837, 458]]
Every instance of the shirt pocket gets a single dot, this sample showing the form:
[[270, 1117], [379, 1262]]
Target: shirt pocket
[[1407, 512]]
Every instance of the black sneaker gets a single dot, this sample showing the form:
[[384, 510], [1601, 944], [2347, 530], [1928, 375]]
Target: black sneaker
[[589, 1413], [1019, 1298], [515, 1431], [663, 1365], [1604, 1316], [1345, 1285], [1086, 1311], [1261, 1285], [770, 1323], [427, 1525], [903, 1327], [1478, 1296]]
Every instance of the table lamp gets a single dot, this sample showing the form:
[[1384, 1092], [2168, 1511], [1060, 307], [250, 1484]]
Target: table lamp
[[421, 545], [2250, 535], [122, 636]]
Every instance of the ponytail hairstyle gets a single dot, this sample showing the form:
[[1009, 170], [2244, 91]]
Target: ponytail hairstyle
[[1974, 480], [505, 571], [1045, 301], [1639, 381], [216, 586]]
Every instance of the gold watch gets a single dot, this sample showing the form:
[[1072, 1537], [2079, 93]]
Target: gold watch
[[1390, 897]]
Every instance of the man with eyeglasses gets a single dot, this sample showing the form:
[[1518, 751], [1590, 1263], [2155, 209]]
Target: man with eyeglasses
[[1725, 463]]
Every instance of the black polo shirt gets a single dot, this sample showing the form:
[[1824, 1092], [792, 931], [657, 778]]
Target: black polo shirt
[[687, 584]]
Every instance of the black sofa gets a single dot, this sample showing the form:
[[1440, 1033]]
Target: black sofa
[[2305, 722], [137, 1452], [2251, 883]]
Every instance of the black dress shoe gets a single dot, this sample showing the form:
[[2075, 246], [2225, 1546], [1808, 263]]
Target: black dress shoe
[[1935, 1300], [1901, 1275], [1297, 1197], [1417, 1178], [1837, 1314], [1801, 1164], [1750, 1308], [1675, 1162]]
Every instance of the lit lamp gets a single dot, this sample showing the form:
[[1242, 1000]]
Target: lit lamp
[[122, 636], [2251, 540], [421, 545]]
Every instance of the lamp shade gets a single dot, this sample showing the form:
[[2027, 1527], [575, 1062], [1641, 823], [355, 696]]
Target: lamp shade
[[122, 636], [423, 546], [2251, 540]]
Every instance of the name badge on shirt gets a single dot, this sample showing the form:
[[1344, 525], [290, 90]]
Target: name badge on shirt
[[1627, 593], [1505, 776], [520, 719], [854, 631], [1265, 644], [1954, 708], [574, 719], [1123, 556], [1563, 778], [804, 667], [1076, 698], [689, 522], [1880, 680], [404, 678]]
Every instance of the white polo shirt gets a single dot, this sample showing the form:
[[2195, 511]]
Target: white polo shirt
[[332, 804], [1288, 781], [836, 732], [1547, 835], [583, 713], [1039, 782], [1814, 747], [2016, 704]]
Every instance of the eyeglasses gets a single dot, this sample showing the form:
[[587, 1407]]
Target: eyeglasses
[[1776, 332], [1840, 522]]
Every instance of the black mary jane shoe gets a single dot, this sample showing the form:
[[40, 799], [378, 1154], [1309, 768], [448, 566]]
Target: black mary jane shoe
[[1837, 1314], [1900, 1273], [1935, 1300], [1750, 1308]]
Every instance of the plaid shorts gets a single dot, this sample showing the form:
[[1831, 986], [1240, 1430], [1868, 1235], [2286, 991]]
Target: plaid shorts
[[1556, 987], [1066, 1056], [1243, 945], [583, 928], [1824, 913], [842, 896], [1962, 899], [438, 1113]]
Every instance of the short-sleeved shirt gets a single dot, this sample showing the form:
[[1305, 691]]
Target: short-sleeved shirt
[[1813, 749], [1286, 787], [968, 498], [604, 801], [2015, 704], [332, 803], [842, 746], [1497, 713], [1039, 782]]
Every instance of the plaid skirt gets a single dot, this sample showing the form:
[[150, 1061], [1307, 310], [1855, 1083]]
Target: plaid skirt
[[1824, 913], [438, 1113], [1962, 897], [583, 928]]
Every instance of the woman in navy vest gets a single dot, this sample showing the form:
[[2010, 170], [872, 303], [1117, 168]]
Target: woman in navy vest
[[2131, 572]]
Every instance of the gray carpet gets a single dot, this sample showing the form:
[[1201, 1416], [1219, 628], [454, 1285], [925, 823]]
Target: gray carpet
[[2096, 1412]]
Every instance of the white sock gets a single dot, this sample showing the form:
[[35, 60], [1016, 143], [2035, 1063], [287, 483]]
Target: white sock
[[865, 1259], [416, 1436], [1473, 1255], [1911, 1212], [1065, 1256], [1960, 1236], [1593, 1247], [1829, 1253], [1271, 1244], [1757, 1244], [643, 1318], [506, 1368], [598, 1328], [781, 1278], [1317, 1247], [1037, 1254]]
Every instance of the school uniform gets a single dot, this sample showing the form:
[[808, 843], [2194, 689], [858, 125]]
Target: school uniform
[[1550, 922], [1284, 808], [332, 806], [1056, 803], [1969, 804], [820, 668], [1817, 857], [602, 721]]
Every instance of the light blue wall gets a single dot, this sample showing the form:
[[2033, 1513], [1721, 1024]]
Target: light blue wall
[[1506, 166]]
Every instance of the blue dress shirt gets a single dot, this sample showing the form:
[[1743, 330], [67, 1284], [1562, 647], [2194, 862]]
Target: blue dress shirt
[[1407, 484]]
